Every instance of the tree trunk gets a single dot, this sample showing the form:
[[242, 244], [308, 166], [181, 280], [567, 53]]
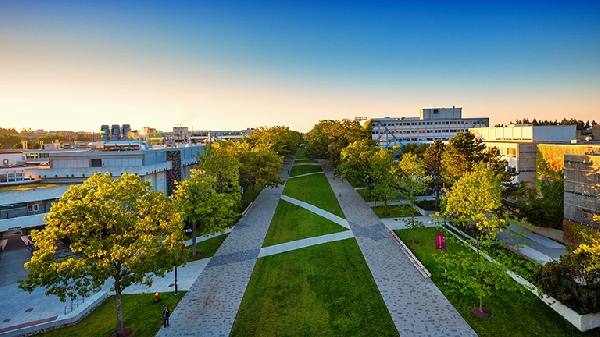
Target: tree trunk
[[120, 329], [194, 239]]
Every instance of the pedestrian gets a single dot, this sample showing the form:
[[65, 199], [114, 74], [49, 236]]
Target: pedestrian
[[166, 315], [340, 195]]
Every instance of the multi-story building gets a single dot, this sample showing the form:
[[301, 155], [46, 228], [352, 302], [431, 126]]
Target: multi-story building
[[518, 144], [433, 124], [582, 188], [63, 167]]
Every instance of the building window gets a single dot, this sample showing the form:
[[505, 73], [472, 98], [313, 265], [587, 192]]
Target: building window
[[96, 162], [435, 111]]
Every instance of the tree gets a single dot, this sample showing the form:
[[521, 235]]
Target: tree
[[118, 229], [433, 166], [382, 175], [259, 165], [354, 161], [475, 200], [413, 181], [219, 160], [202, 205], [591, 249], [461, 153], [279, 138], [328, 137]]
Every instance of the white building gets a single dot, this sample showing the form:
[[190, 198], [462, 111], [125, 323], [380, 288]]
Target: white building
[[433, 124], [26, 208]]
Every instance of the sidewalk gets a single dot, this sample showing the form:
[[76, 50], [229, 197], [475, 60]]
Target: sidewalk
[[416, 305]]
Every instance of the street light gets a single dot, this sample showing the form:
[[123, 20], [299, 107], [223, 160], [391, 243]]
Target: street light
[[182, 249]]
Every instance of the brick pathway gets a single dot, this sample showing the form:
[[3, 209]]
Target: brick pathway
[[416, 305], [211, 304]]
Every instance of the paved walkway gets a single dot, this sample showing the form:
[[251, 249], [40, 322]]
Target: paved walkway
[[211, 304], [416, 305]]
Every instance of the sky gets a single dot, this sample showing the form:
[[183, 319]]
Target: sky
[[232, 65]]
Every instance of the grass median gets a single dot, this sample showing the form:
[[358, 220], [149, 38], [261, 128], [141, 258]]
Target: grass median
[[141, 314], [513, 313], [315, 190], [322, 290], [291, 222]]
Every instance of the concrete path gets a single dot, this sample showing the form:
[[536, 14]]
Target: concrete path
[[416, 305], [293, 245], [317, 210], [210, 306], [305, 174]]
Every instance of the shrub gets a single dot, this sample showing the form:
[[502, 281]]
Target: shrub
[[575, 233], [568, 282]]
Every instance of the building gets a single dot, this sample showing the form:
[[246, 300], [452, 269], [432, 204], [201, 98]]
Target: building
[[582, 188], [518, 144], [433, 124], [59, 168]]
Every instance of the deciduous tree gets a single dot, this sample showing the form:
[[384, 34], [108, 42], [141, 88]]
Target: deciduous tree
[[433, 166], [116, 229], [383, 177], [412, 182], [203, 206], [474, 201]]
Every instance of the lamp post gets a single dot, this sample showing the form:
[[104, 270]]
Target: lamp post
[[445, 236], [182, 249]]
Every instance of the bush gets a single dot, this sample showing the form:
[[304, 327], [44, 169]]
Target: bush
[[429, 205], [569, 283], [575, 233]]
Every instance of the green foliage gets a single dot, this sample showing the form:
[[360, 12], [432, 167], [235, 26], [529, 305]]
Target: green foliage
[[315, 190], [277, 138], [322, 290], [433, 166], [355, 160], [568, 281], [546, 211], [395, 211], [428, 205], [328, 137], [417, 150], [382, 176], [9, 140], [292, 222], [140, 313], [514, 313], [475, 200], [118, 229], [259, 165], [204, 206], [413, 181], [463, 152], [220, 161]]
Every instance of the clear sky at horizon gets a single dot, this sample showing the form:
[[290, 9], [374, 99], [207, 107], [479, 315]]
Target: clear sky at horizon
[[227, 65]]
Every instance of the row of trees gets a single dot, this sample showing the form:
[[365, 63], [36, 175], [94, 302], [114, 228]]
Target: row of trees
[[122, 230]]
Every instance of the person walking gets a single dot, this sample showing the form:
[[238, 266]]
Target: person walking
[[166, 315], [339, 195]]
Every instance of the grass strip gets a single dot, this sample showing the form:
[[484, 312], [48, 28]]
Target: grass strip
[[513, 313], [206, 248], [322, 290], [395, 211], [304, 169], [315, 190], [291, 222], [140, 313]]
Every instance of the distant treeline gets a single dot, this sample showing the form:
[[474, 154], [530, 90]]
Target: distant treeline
[[580, 124]]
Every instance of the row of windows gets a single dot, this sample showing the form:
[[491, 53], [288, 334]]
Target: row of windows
[[399, 132], [428, 123], [35, 155], [430, 139], [588, 163], [583, 194]]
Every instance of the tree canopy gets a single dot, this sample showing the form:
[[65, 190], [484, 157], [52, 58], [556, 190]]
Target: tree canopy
[[279, 138], [114, 229], [433, 166], [328, 137], [412, 181]]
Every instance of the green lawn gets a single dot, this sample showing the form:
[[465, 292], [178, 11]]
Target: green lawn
[[396, 211], [322, 290], [291, 223], [513, 313], [364, 194], [303, 169], [140, 313], [315, 190], [206, 248]]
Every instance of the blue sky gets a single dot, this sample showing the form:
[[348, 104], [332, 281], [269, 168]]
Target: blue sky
[[231, 65]]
